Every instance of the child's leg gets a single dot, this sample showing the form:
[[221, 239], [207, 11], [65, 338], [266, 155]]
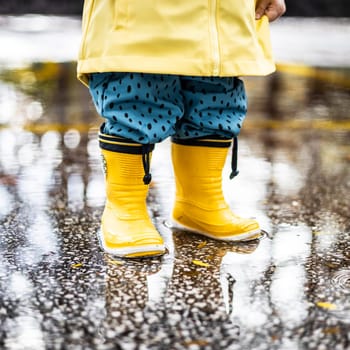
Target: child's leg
[[214, 112], [140, 107], [139, 111], [213, 107]]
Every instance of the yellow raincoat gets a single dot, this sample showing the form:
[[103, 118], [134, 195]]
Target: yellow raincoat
[[185, 37]]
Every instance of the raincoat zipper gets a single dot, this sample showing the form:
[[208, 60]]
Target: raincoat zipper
[[214, 35]]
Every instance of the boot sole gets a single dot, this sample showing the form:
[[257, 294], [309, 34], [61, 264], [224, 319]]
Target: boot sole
[[132, 252], [241, 237]]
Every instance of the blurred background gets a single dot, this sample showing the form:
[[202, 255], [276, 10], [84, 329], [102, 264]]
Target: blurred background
[[40, 95], [337, 8]]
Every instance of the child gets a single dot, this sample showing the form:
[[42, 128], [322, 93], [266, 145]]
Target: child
[[169, 68]]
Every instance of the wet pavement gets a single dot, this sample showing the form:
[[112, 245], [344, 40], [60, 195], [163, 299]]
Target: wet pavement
[[289, 290]]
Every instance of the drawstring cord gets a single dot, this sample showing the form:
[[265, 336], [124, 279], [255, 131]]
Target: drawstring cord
[[146, 164], [127, 146], [214, 141], [234, 158], [146, 161]]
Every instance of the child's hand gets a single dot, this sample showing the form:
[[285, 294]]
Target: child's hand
[[271, 8]]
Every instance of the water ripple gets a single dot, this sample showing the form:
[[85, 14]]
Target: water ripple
[[341, 281]]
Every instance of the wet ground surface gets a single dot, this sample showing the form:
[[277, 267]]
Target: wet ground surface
[[289, 290]]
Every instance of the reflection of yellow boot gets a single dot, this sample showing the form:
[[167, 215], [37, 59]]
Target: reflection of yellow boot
[[200, 205], [126, 228]]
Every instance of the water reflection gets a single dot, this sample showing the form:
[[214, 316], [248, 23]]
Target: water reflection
[[291, 286], [248, 303], [188, 310], [25, 333], [291, 249]]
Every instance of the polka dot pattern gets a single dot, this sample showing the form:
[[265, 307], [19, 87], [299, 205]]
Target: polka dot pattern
[[214, 106], [148, 108]]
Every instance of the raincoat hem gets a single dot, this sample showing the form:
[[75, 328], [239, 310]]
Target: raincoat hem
[[177, 67]]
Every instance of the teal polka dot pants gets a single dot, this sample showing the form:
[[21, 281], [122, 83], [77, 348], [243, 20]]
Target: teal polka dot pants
[[148, 108]]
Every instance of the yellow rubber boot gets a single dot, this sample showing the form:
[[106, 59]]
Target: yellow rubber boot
[[199, 204], [126, 229]]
